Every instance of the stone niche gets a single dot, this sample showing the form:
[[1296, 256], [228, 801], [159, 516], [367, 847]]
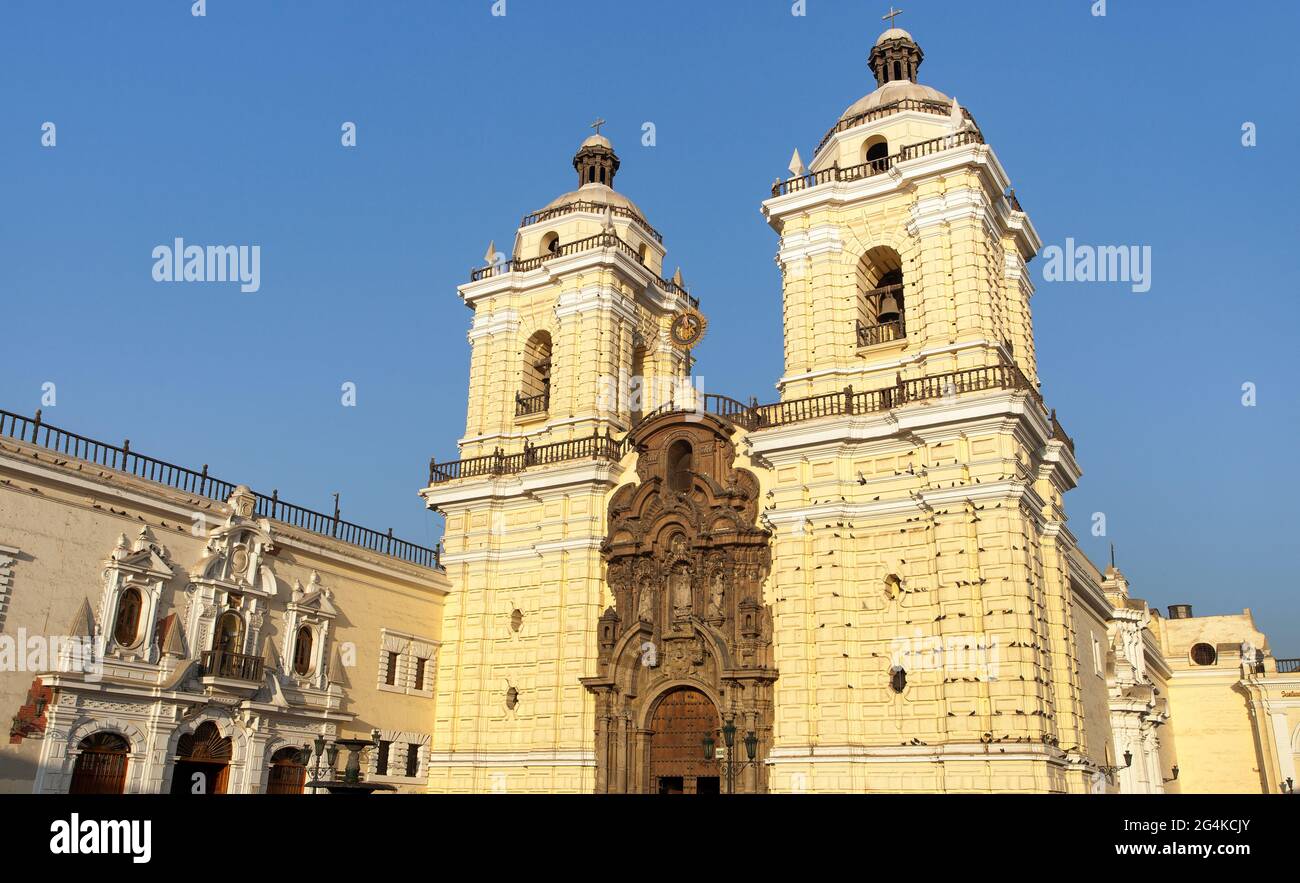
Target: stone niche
[[687, 644]]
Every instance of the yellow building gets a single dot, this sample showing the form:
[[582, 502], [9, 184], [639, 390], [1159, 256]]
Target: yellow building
[[164, 631], [868, 585], [1235, 707]]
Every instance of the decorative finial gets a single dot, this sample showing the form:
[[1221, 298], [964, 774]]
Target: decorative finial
[[677, 277], [891, 15], [597, 124], [491, 255], [796, 164]]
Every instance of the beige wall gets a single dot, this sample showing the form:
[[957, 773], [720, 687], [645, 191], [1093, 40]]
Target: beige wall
[[64, 518], [1225, 739]]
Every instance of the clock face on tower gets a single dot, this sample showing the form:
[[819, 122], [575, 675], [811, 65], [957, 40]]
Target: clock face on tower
[[688, 327]]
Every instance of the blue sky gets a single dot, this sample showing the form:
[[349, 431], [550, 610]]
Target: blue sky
[[1121, 130]]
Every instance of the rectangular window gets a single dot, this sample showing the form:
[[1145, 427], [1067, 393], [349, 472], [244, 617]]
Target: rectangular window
[[381, 759], [390, 672], [412, 761], [1096, 657], [419, 673]]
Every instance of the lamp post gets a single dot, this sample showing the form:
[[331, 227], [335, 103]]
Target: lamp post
[[1110, 771], [1288, 787], [317, 751], [730, 763], [1175, 776]]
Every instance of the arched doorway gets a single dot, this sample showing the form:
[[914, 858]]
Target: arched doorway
[[101, 765], [288, 772], [202, 761], [678, 728]]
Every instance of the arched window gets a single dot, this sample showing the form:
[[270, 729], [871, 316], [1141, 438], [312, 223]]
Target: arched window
[[126, 626], [550, 244], [1204, 654], [534, 393], [881, 316], [302, 651], [288, 771], [898, 679], [876, 152], [680, 457], [230, 633], [101, 765], [591, 175]]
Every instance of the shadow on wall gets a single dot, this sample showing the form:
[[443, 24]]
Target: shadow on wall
[[17, 772]]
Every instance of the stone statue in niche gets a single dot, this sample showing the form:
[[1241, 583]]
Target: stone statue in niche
[[645, 607], [679, 583], [717, 595]]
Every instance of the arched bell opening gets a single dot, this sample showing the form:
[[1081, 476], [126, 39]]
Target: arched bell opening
[[881, 302]]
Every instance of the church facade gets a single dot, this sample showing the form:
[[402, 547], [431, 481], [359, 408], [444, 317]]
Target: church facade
[[867, 585]]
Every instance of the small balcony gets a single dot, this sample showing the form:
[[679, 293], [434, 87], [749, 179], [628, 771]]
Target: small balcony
[[886, 304], [870, 335], [232, 666], [527, 406]]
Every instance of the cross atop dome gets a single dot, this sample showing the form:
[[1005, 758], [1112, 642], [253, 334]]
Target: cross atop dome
[[891, 15]]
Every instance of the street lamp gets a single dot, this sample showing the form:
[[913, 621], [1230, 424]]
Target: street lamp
[[1110, 771], [1175, 771], [729, 738], [1288, 787], [317, 751]]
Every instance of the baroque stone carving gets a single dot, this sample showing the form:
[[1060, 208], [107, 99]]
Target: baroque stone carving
[[686, 560]]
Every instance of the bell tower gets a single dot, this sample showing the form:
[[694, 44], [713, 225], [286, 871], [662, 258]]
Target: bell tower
[[570, 343], [903, 250], [922, 585]]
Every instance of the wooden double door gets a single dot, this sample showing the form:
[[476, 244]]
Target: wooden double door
[[681, 722], [202, 762], [101, 765]]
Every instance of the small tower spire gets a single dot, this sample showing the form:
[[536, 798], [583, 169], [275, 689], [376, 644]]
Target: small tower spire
[[896, 56], [595, 161]]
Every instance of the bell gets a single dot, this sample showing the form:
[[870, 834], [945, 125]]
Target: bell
[[889, 309]]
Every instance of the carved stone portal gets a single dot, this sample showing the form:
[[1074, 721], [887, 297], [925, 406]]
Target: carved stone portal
[[687, 644]]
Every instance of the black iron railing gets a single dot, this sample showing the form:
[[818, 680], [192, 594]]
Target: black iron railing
[[527, 405], [876, 166], [1288, 666], [34, 430], [590, 243], [923, 105], [594, 207], [237, 666], [870, 335], [752, 416], [591, 447]]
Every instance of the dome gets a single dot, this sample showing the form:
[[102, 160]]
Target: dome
[[894, 34], [596, 164], [597, 193], [894, 90]]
